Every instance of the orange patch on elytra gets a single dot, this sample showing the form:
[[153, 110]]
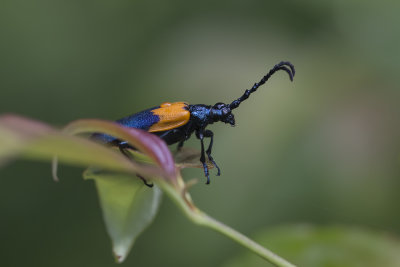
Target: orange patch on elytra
[[172, 115], [166, 104]]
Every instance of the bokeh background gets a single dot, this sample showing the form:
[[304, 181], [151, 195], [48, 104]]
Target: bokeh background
[[323, 150]]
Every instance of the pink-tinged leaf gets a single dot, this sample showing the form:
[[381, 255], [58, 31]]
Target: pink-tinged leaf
[[21, 124], [31, 139], [15, 132], [147, 143]]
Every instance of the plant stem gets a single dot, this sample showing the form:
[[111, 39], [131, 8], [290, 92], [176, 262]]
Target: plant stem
[[200, 218], [244, 241]]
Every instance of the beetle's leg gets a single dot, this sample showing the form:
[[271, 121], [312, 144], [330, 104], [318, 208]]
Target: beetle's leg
[[203, 156], [145, 181], [162, 136], [187, 136], [210, 134], [122, 148], [180, 145]]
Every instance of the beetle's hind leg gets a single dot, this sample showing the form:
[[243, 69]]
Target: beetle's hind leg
[[180, 145], [145, 181], [210, 134], [122, 148]]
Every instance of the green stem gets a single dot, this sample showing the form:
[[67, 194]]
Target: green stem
[[200, 218]]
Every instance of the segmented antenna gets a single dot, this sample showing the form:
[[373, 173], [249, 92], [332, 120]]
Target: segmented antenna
[[284, 65]]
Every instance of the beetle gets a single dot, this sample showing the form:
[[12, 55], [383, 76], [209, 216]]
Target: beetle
[[176, 122]]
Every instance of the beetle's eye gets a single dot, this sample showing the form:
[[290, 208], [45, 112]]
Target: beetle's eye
[[225, 111]]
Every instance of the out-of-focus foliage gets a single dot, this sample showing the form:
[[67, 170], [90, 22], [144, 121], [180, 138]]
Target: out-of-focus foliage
[[335, 246], [321, 150]]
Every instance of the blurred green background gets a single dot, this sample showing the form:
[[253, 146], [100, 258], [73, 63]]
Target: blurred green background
[[323, 150]]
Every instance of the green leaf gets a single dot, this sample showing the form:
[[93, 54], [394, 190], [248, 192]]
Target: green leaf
[[334, 246], [128, 207]]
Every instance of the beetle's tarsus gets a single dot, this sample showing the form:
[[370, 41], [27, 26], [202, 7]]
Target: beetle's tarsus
[[210, 158], [206, 173]]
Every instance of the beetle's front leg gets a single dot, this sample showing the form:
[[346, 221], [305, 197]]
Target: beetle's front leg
[[210, 134], [200, 135]]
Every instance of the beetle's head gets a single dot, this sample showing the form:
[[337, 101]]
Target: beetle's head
[[222, 112]]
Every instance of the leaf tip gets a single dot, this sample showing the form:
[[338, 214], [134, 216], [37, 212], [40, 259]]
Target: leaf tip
[[119, 256]]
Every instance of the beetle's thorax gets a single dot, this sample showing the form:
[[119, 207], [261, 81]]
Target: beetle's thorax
[[202, 115]]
